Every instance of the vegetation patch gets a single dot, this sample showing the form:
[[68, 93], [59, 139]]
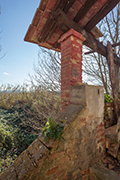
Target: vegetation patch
[[23, 114], [108, 98], [52, 130]]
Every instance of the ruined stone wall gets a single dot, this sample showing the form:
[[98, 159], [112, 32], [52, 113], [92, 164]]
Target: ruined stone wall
[[82, 145]]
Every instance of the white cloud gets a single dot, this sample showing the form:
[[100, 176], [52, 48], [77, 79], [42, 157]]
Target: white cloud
[[6, 73]]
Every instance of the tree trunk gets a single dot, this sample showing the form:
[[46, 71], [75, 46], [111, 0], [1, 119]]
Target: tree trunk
[[113, 79]]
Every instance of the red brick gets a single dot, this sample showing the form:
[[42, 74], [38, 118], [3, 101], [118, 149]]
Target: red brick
[[50, 4], [52, 171], [82, 119], [63, 160], [77, 5], [100, 125], [75, 172], [71, 13], [46, 13], [95, 8], [86, 177], [82, 1], [100, 130], [101, 134], [85, 172], [102, 139], [57, 155], [70, 33], [103, 2], [66, 177], [71, 66], [70, 151], [59, 173]]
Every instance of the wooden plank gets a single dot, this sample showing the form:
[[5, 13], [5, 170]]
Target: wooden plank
[[49, 23], [42, 5], [65, 9], [113, 45], [96, 32], [101, 14], [50, 26], [68, 6], [64, 23], [84, 9], [111, 66], [37, 17], [50, 33]]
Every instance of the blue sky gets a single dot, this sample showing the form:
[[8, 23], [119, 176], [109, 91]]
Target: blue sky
[[14, 21]]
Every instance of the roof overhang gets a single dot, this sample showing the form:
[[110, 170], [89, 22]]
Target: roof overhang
[[87, 13]]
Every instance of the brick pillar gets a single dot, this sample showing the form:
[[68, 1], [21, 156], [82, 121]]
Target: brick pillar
[[71, 63]]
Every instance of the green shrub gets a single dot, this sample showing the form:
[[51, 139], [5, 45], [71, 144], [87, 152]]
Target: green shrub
[[52, 130], [6, 162], [13, 140], [107, 98], [23, 114]]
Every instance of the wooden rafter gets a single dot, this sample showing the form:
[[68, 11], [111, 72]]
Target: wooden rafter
[[52, 30], [113, 45], [50, 22], [84, 9], [64, 23], [101, 13], [70, 3], [50, 25]]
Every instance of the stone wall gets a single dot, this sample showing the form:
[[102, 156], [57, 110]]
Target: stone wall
[[82, 145]]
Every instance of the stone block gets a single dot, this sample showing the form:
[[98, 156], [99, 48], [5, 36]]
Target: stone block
[[118, 136], [107, 143], [69, 113], [9, 174], [52, 171], [90, 96], [113, 150], [102, 173], [111, 166], [113, 138], [23, 164], [36, 150], [118, 156], [77, 95], [95, 101], [112, 130]]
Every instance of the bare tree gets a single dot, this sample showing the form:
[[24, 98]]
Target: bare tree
[[96, 69], [47, 71], [95, 66]]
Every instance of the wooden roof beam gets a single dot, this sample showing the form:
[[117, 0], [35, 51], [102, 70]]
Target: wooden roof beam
[[101, 14], [64, 23], [65, 9], [113, 45], [84, 9], [50, 26]]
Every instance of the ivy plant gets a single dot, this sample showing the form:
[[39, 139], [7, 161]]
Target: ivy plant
[[52, 130], [107, 98]]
